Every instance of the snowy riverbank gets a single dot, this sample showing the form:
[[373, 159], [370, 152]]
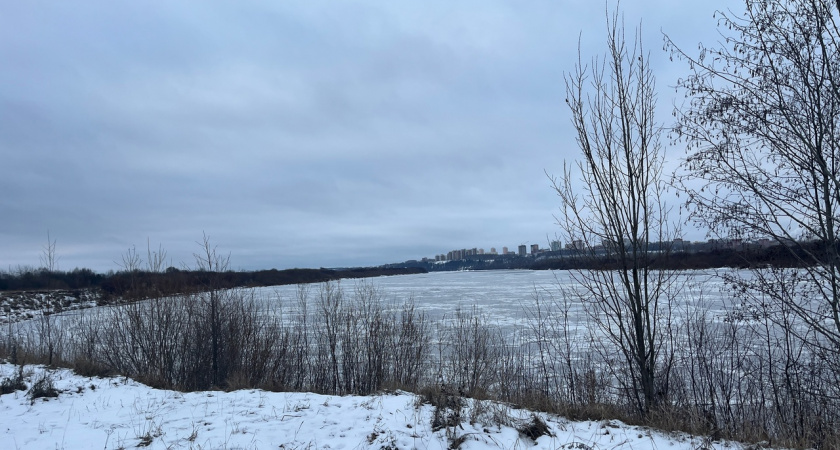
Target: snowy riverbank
[[114, 413]]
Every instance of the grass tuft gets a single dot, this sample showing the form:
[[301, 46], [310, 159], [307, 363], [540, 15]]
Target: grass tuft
[[535, 428], [14, 383], [44, 387]]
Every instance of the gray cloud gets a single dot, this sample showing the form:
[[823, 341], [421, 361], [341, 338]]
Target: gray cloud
[[293, 133]]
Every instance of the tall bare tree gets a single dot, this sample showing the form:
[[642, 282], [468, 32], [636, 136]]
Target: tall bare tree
[[49, 260], [762, 128], [213, 264], [614, 217], [155, 260]]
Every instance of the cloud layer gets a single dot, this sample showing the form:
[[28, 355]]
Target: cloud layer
[[295, 134]]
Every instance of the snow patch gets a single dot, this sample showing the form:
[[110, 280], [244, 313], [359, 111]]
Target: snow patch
[[118, 412]]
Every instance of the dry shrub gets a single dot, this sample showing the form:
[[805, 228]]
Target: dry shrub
[[13, 383], [90, 368], [448, 406], [457, 442], [359, 343], [43, 387], [535, 428]]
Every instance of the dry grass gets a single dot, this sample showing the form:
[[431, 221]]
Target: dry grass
[[347, 343]]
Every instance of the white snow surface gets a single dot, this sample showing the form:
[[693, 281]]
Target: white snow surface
[[113, 413]]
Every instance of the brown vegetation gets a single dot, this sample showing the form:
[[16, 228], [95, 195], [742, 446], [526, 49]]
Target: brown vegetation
[[729, 379]]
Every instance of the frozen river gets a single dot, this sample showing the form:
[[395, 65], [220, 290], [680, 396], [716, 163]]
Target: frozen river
[[502, 296]]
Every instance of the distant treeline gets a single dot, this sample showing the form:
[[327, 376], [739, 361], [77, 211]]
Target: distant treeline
[[30, 278], [143, 284], [775, 256], [745, 256], [173, 280]]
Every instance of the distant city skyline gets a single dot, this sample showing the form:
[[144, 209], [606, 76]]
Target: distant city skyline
[[677, 244]]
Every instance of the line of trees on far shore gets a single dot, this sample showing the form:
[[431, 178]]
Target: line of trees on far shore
[[144, 283]]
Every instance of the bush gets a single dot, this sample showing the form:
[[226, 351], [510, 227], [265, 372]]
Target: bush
[[535, 428], [12, 384], [44, 387], [90, 368], [448, 404]]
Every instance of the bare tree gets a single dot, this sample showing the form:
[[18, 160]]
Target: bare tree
[[47, 334], [762, 126], [615, 218], [155, 260], [131, 261], [208, 260], [49, 260]]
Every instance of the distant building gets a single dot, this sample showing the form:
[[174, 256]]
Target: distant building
[[535, 248], [731, 243], [492, 250], [504, 250], [577, 244], [555, 246], [523, 250], [456, 255]]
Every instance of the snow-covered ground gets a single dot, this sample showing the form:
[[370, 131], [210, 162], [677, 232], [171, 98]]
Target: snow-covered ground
[[113, 413]]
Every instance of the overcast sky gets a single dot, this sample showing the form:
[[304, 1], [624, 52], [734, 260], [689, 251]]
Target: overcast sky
[[296, 133]]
